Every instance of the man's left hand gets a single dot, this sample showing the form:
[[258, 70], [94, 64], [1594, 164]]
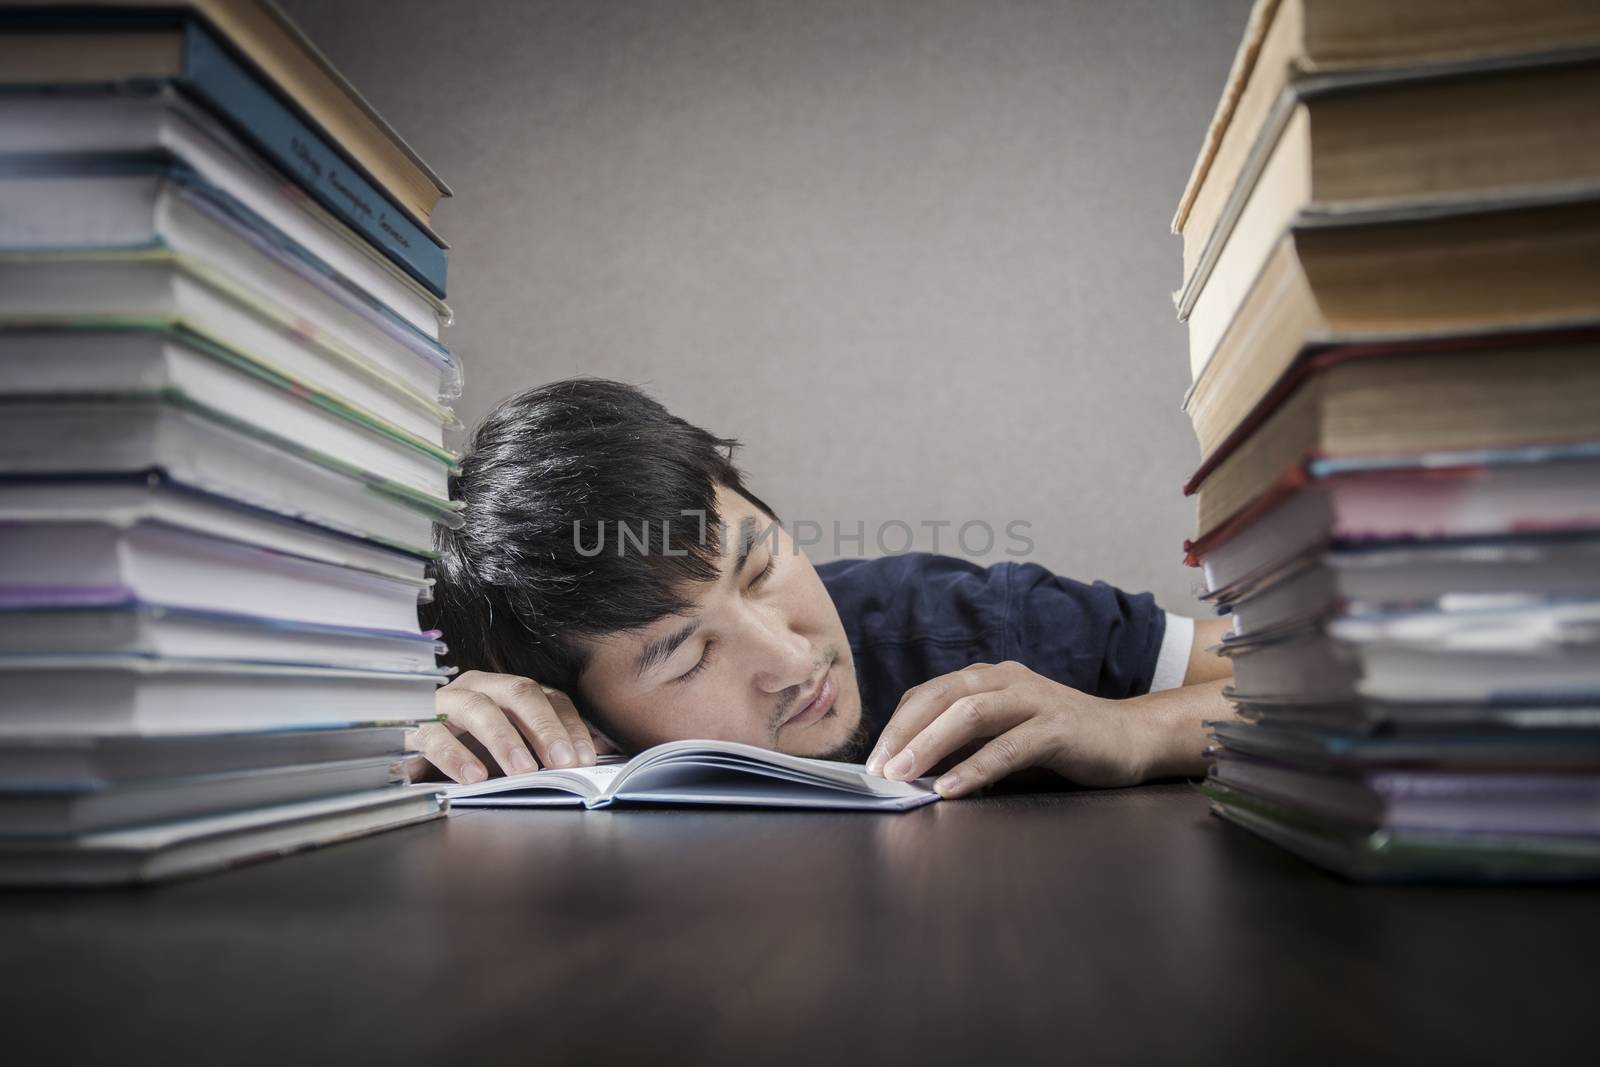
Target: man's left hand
[[1022, 720]]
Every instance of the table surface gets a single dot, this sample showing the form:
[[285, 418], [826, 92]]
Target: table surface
[[1123, 926]]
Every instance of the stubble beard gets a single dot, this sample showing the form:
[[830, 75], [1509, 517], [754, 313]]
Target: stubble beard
[[852, 749]]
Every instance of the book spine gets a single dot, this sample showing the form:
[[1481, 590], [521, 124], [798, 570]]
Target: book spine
[[223, 84]]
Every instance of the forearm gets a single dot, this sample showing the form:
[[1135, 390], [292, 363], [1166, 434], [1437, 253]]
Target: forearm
[[1169, 733], [1204, 664]]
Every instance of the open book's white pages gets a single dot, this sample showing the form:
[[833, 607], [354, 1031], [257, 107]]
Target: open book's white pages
[[700, 772]]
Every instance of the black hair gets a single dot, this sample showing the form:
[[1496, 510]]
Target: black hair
[[547, 475]]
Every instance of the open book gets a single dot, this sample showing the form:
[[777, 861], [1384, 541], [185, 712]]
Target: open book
[[699, 772]]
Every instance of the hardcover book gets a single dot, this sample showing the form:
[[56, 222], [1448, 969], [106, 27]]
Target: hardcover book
[[200, 66]]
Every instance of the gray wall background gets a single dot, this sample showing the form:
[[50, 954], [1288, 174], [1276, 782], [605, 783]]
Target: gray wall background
[[914, 253]]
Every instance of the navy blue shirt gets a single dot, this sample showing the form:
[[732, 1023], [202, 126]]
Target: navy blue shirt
[[916, 616]]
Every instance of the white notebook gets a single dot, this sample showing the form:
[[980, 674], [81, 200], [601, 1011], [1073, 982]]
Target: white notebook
[[698, 772]]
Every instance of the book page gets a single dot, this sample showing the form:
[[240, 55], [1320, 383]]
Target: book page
[[587, 782], [740, 763]]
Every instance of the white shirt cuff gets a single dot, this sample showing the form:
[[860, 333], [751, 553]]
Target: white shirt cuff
[[1173, 662]]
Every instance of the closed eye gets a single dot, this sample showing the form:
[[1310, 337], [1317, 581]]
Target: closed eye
[[706, 650], [705, 658]]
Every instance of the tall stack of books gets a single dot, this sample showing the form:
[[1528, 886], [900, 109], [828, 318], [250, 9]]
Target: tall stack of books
[[1391, 247], [222, 409]]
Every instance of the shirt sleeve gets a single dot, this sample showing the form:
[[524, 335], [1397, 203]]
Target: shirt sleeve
[[1090, 636], [1172, 663]]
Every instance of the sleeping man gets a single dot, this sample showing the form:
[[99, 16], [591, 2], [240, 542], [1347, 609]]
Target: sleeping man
[[615, 585]]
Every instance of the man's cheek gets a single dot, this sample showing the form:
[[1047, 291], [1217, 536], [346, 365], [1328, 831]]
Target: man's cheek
[[639, 727]]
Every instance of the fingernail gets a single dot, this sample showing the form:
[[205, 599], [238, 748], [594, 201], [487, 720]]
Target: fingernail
[[521, 762], [947, 785], [473, 772], [875, 761], [900, 766], [561, 754], [586, 754]]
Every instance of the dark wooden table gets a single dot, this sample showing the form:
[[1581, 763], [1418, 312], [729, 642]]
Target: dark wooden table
[[1066, 927]]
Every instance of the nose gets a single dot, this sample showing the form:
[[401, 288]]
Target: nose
[[782, 657]]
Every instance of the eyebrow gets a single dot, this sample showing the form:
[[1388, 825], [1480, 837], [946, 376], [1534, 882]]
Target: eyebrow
[[662, 648], [747, 542]]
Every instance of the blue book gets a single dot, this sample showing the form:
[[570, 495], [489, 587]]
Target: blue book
[[211, 74]]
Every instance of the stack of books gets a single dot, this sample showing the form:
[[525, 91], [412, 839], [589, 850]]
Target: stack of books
[[1391, 246], [222, 415]]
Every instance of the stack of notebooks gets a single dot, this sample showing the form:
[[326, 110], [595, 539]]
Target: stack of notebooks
[[222, 408], [1391, 247]]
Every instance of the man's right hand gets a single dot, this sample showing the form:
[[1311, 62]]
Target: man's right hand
[[494, 719]]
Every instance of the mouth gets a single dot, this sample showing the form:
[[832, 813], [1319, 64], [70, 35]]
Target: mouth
[[819, 704]]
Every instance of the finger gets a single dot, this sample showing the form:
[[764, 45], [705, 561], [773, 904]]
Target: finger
[[913, 689], [546, 717], [969, 718], [436, 742], [484, 719], [1025, 746], [534, 709], [415, 767], [572, 722], [528, 704], [922, 704]]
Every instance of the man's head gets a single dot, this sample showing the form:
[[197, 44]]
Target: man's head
[[611, 550]]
